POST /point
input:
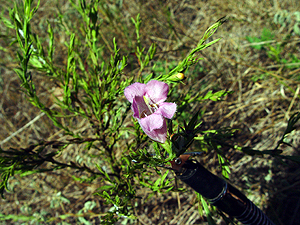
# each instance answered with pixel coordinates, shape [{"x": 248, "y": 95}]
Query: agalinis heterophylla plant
[{"x": 149, "y": 107}]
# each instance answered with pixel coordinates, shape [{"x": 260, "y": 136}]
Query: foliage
[
  {"x": 274, "y": 50},
  {"x": 276, "y": 152}
]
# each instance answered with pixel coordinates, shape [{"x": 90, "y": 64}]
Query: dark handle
[{"x": 221, "y": 194}]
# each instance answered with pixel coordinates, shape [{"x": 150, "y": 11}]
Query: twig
[
  {"x": 24, "y": 127},
  {"x": 293, "y": 101},
  {"x": 269, "y": 42}
]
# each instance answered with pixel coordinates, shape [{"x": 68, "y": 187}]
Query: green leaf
[{"x": 207, "y": 211}]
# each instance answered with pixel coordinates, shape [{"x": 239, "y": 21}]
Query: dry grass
[{"x": 260, "y": 108}]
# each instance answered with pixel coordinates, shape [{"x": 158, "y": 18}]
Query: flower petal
[
  {"x": 159, "y": 135},
  {"x": 149, "y": 107},
  {"x": 167, "y": 109},
  {"x": 140, "y": 108},
  {"x": 152, "y": 122},
  {"x": 157, "y": 91},
  {"x": 136, "y": 89},
  {"x": 135, "y": 109}
]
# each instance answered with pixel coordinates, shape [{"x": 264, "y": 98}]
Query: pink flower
[{"x": 150, "y": 108}]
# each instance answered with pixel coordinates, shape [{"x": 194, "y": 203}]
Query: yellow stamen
[{"x": 148, "y": 104}]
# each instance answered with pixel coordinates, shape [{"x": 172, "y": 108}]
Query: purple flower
[{"x": 150, "y": 108}]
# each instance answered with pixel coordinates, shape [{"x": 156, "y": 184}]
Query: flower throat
[{"x": 151, "y": 107}]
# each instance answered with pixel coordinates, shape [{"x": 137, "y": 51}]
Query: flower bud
[
  {"x": 176, "y": 77},
  {"x": 180, "y": 76}
]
